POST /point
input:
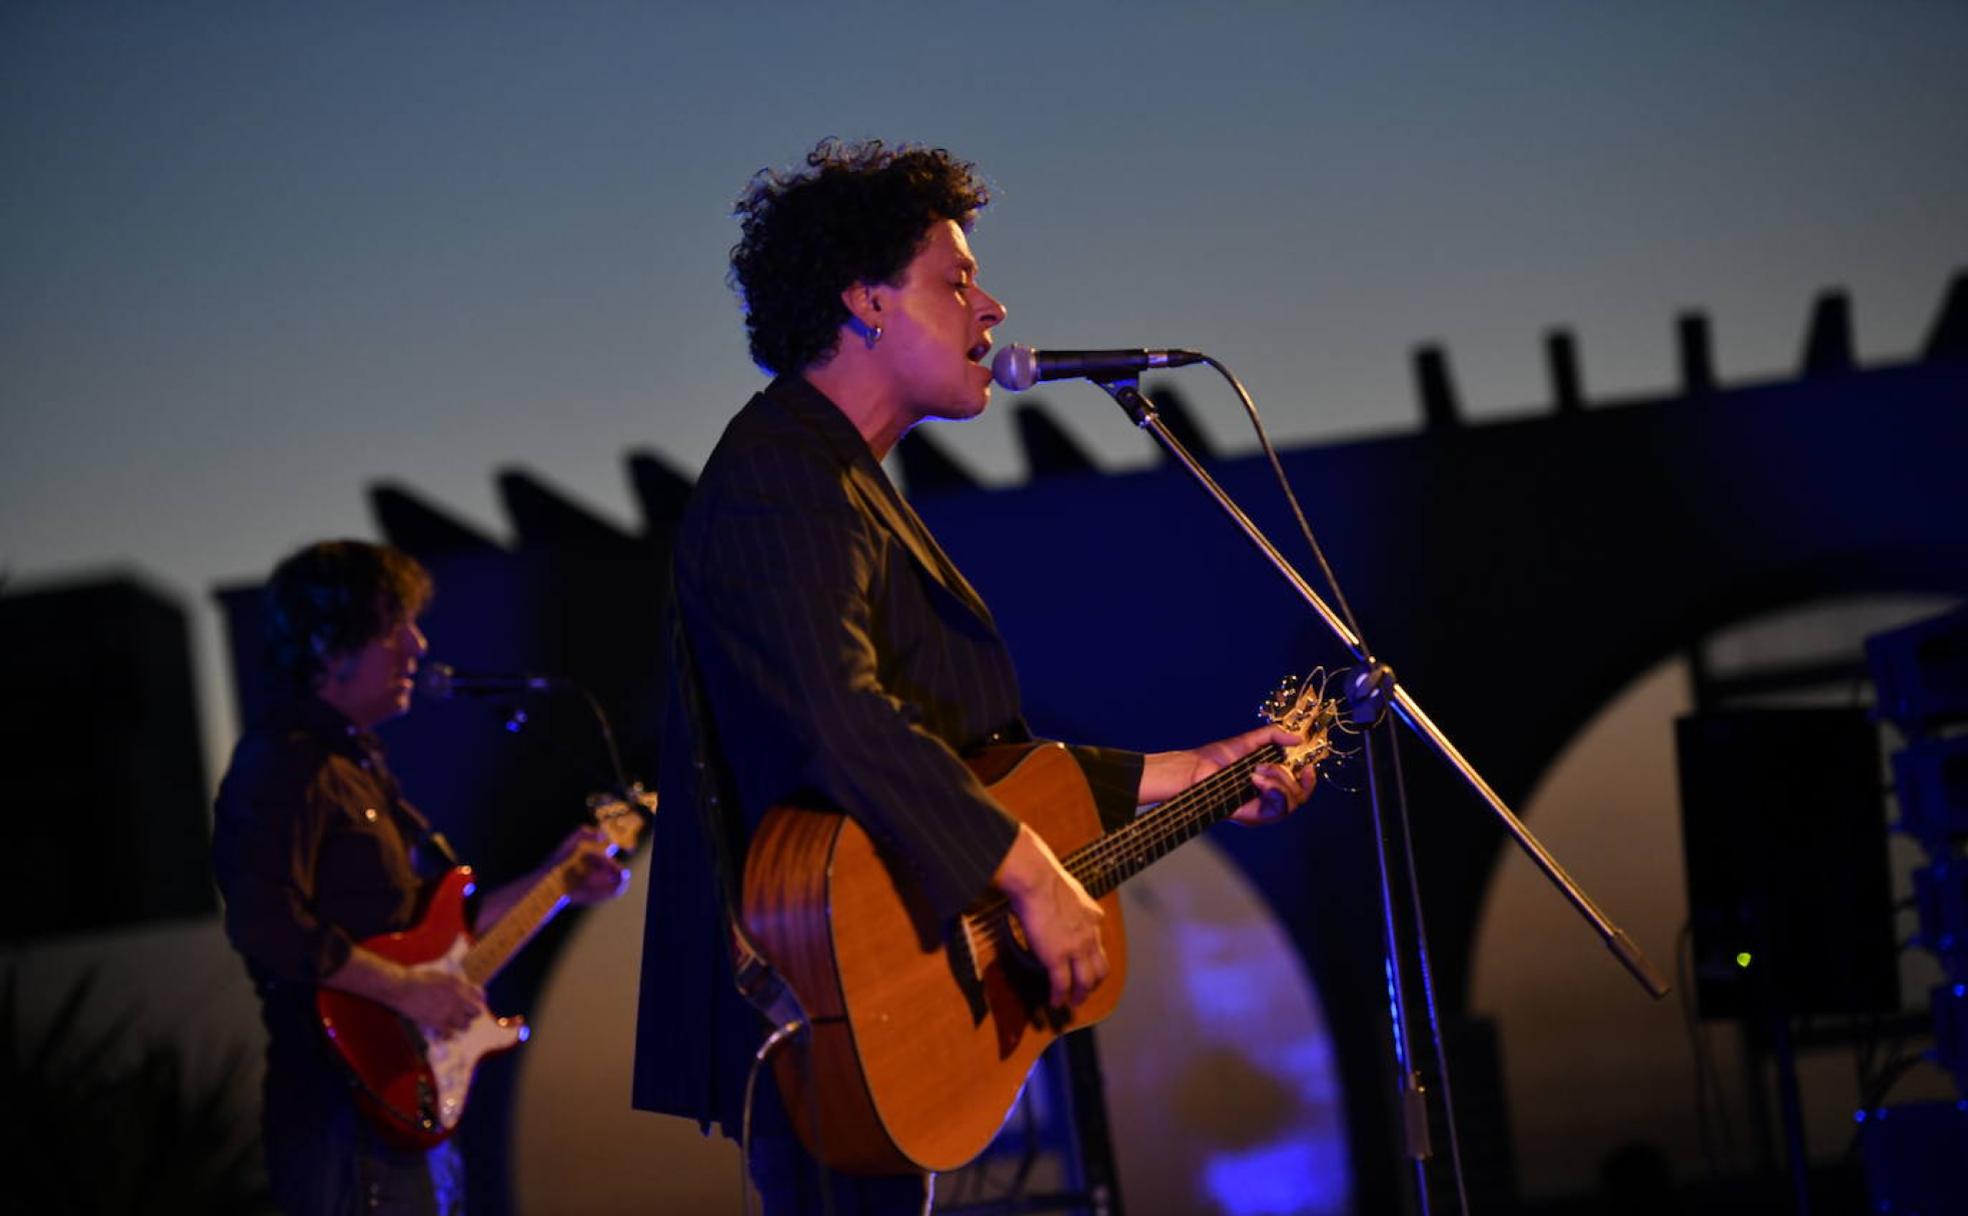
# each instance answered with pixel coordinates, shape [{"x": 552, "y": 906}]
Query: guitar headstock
[
  {"x": 1302, "y": 707},
  {"x": 622, "y": 818}
]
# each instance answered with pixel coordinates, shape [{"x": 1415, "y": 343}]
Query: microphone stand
[
  {"x": 1374, "y": 690},
  {"x": 515, "y": 689}
]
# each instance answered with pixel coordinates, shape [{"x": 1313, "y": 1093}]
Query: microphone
[
  {"x": 442, "y": 682},
  {"x": 1020, "y": 367}
]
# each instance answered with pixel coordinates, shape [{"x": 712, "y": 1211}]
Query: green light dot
[{"x": 1742, "y": 960}]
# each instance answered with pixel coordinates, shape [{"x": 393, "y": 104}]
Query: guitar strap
[{"x": 763, "y": 987}]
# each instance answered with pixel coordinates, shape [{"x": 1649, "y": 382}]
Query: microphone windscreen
[
  {"x": 434, "y": 680},
  {"x": 1016, "y": 368}
]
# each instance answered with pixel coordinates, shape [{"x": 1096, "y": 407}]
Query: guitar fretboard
[
  {"x": 495, "y": 948},
  {"x": 1119, "y": 855},
  {"x": 1106, "y": 863}
]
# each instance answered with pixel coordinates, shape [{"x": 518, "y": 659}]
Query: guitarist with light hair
[
  {"x": 840, "y": 659},
  {"x": 316, "y": 850}
]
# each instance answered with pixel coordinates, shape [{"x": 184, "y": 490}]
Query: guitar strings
[
  {"x": 484, "y": 957},
  {"x": 1104, "y": 863},
  {"x": 1117, "y": 856},
  {"x": 1110, "y": 860}
]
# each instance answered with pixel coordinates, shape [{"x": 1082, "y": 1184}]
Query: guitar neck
[
  {"x": 1119, "y": 855},
  {"x": 496, "y": 946}
]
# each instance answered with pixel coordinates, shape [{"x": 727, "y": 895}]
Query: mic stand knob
[{"x": 1370, "y": 692}]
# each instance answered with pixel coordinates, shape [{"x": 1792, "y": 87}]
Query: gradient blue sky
[{"x": 254, "y": 256}]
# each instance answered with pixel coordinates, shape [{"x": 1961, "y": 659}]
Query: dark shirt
[
  {"x": 316, "y": 849},
  {"x": 314, "y": 846},
  {"x": 847, "y": 664}
]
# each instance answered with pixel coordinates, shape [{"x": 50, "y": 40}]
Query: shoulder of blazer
[{"x": 793, "y": 430}]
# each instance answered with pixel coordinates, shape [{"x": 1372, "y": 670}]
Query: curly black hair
[
  {"x": 335, "y": 597},
  {"x": 856, "y": 214}
]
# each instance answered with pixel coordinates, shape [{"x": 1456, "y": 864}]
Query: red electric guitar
[{"x": 412, "y": 1084}]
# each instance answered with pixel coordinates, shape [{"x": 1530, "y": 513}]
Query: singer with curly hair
[{"x": 836, "y": 655}]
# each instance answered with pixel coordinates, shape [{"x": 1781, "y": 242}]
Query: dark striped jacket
[{"x": 847, "y": 663}]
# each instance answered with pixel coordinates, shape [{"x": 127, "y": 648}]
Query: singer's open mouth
[{"x": 976, "y": 353}]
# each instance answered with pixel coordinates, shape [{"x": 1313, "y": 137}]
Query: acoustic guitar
[
  {"x": 410, "y": 1083},
  {"x": 920, "y": 1034}
]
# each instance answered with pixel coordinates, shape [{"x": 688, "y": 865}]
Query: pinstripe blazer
[{"x": 846, "y": 663}]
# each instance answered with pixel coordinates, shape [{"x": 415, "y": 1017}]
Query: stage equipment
[
  {"x": 104, "y": 771},
  {"x": 1949, "y": 1004},
  {"x": 1930, "y": 779},
  {"x": 1375, "y": 693},
  {"x": 1913, "y": 1154},
  {"x": 1913, "y": 1151},
  {"x": 1921, "y": 673},
  {"x": 1940, "y": 892},
  {"x": 1783, "y": 827}
]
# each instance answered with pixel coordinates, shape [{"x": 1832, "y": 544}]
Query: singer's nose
[{"x": 991, "y": 310}]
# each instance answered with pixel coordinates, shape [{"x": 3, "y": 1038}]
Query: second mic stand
[{"x": 1375, "y": 690}]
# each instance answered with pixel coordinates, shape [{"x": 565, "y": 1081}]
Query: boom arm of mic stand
[{"x": 1127, "y": 392}]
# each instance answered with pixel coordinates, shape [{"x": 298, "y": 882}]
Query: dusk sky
[{"x": 254, "y": 257}]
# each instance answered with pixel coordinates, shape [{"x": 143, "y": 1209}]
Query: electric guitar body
[{"x": 409, "y": 1082}]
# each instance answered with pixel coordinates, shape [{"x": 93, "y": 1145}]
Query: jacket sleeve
[
  {"x": 777, "y": 591},
  {"x": 1114, "y": 775}
]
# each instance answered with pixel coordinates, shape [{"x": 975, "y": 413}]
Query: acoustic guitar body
[{"x": 921, "y": 1035}]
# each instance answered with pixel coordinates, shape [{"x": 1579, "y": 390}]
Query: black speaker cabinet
[
  {"x": 102, "y": 770},
  {"x": 1783, "y": 825}
]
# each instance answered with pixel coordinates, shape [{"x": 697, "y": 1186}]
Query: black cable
[
  {"x": 821, "y": 1174},
  {"x": 516, "y": 720},
  {"x": 1683, "y": 971},
  {"x": 772, "y": 1043},
  {"x": 1890, "y": 1076},
  {"x": 1022, "y": 1177},
  {"x": 1708, "y": 1078},
  {"x": 1865, "y": 1047},
  {"x": 1298, "y": 512},
  {"x": 607, "y": 737},
  {"x": 1883, "y": 1079}
]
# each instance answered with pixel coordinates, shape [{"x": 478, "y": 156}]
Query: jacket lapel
[
  {"x": 871, "y": 485},
  {"x": 901, "y": 519}
]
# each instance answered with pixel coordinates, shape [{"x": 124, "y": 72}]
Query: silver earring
[{"x": 871, "y": 335}]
